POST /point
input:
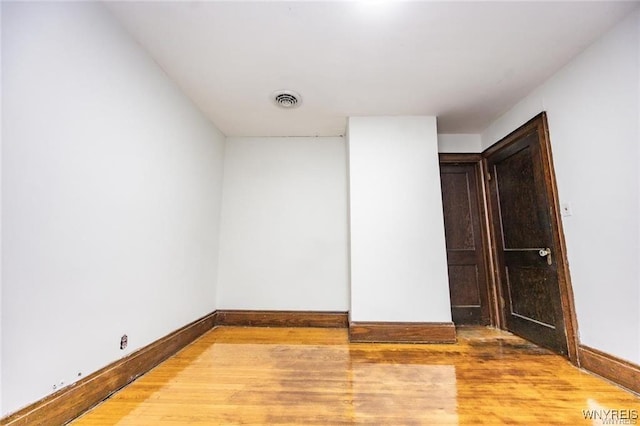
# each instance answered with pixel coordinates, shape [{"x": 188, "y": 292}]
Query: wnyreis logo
[{"x": 612, "y": 417}]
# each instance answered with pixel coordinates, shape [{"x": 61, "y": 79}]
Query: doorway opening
[
  {"x": 467, "y": 239},
  {"x": 528, "y": 286}
]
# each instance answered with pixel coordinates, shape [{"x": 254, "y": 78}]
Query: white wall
[
  {"x": 283, "y": 244},
  {"x": 638, "y": 123},
  {"x": 111, "y": 182},
  {"x": 1, "y": 411},
  {"x": 398, "y": 257},
  {"x": 459, "y": 143},
  {"x": 593, "y": 107}
]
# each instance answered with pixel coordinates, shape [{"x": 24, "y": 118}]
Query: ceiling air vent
[{"x": 286, "y": 99}]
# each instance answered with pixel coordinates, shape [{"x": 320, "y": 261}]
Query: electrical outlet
[{"x": 123, "y": 341}]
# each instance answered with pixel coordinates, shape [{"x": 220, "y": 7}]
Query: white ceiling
[{"x": 464, "y": 62}]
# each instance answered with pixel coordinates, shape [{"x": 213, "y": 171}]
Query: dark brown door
[
  {"x": 525, "y": 248},
  {"x": 464, "y": 238}
]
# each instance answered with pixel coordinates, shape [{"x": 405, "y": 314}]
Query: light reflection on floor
[{"x": 314, "y": 376}]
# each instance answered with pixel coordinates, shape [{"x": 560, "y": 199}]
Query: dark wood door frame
[
  {"x": 489, "y": 236},
  {"x": 564, "y": 279},
  {"x": 476, "y": 160}
]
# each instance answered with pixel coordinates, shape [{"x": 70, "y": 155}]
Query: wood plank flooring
[{"x": 313, "y": 376}]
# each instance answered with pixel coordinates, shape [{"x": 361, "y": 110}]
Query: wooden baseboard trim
[
  {"x": 70, "y": 402},
  {"x": 616, "y": 370},
  {"x": 282, "y": 318},
  {"x": 402, "y": 332}
]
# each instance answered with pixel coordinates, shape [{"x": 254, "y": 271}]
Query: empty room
[{"x": 320, "y": 212}]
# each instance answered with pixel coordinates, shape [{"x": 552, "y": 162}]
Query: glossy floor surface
[{"x": 298, "y": 376}]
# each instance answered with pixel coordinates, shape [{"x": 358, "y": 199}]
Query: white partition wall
[{"x": 398, "y": 256}]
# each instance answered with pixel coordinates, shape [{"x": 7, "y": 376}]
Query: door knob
[{"x": 546, "y": 252}]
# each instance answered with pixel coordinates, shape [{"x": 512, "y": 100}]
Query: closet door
[{"x": 461, "y": 199}]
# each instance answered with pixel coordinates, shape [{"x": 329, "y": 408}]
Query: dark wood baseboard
[
  {"x": 68, "y": 403},
  {"x": 616, "y": 370},
  {"x": 402, "y": 332},
  {"x": 282, "y": 318}
]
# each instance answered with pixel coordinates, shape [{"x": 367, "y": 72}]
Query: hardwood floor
[{"x": 299, "y": 376}]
